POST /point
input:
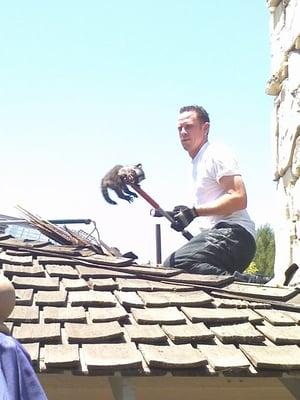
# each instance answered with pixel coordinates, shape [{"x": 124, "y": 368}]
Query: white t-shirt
[{"x": 212, "y": 162}]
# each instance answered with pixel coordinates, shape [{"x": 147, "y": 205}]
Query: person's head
[{"x": 193, "y": 127}]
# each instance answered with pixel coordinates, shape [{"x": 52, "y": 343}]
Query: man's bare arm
[{"x": 234, "y": 198}]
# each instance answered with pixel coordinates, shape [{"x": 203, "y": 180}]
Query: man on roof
[{"x": 226, "y": 242}]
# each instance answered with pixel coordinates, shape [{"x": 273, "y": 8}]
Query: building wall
[{"x": 284, "y": 85}]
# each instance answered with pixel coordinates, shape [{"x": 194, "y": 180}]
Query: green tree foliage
[{"x": 265, "y": 251}]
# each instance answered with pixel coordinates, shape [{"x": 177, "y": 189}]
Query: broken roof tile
[
  {"x": 24, "y": 297},
  {"x": 16, "y": 260},
  {"x": 238, "y": 333},
  {"x": 181, "y": 356},
  {"x": 35, "y": 283},
  {"x": 60, "y": 314},
  {"x": 116, "y": 356},
  {"x": 33, "y": 350},
  {"x": 213, "y": 315},
  {"x": 261, "y": 291},
  {"x": 92, "y": 298},
  {"x": 294, "y": 315},
  {"x": 273, "y": 357},
  {"x": 107, "y": 314},
  {"x": 276, "y": 317},
  {"x": 24, "y": 314},
  {"x": 164, "y": 299},
  {"x": 146, "y": 333},
  {"x": 149, "y": 286},
  {"x": 74, "y": 284},
  {"x": 230, "y": 303},
  {"x": 253, "y": 317},
  {"x": 224, "y": 357},
  {"x": 167, "y": 315},
  {"x": 64, "y": 271},
  {"x": 62, "y": 355},
  {"x": 45, "y": 260},
  {"x": 97, "y": 272},
  {"x": 107, "y": 260},
  {"x": 210, "y": 280},
  {"x": 51, "y": 298},
  {"x": 20, "y": 270},
  {"x": 43, "y": 333},
  {"x": 93, "y": 333},
  {"x": 188, "y": 333},
  {"x": 129, "y": 299},
  {"x": 103, "y": 284},
  {"x": 153, "y": 271},
  {"x": 281, "y": 334}
]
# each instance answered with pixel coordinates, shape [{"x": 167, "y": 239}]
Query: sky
[{"x": 87, "y": 85}]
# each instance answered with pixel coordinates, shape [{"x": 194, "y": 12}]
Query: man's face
[{"x": 192, "y": 132}]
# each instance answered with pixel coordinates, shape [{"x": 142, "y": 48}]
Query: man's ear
[{"x": 206, "y": 127}]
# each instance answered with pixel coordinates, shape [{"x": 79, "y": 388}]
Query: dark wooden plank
[
  {"x": 45, "y": 260},
  {"x": 33, "y": 349},
  {"x": 107, "y": 314},
  {"x": 93, "y": 333},
  {"x": 144, "y": 285},
  {"x": 24, "y": 297},
  {"x": 213, "y": 315},
  {"x": 103, "y": 284},
  {"x": 225, "y": 357},
  {"x": 181, "y": 356},
  {"x": 61, "y": 314},
  {"x": 63, "y": 271},
  {"x": 92, "y": 298},
  {"x": 115, "y": 356},
  {"x": 47, "y": 298},
  {"x": 20, "y": 270},
  {"x": 273, "y": 357},
  {"x": 150, "y": 334},
  {"x": 188, "y": 333},
  {"x": 281, "y": 334},
  {"x": 262, "y": 291},
  {"x": 129, "y": 299},
  {"x": 24, "y": 314},
  {"x": 153, "y": 271},
  {"x": 62, "y": 355},
  {"x": 238, "y": 333},
  {"x": 42, "y": 333},
  {"x": 35, "y": 283},
  {"x": 15, "y": 252},
  {"x": 71, "y": 285},
  {"x": 164, "y": 299},
  {"x": 97, "y": 272},
  {"x": 210, "y": 280},
  {"x": 167, "y": 315},
  {"x": 276, "y": 317},
  {"x": 107, "y": 260}
]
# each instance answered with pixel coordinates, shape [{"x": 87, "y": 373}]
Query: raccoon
[{"x": 113, "y": 181}]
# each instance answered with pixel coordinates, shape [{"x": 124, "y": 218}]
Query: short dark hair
[{"x": 202, "y": 114}]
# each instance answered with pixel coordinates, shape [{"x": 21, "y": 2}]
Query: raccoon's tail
[{"x": 104, "y": 191}]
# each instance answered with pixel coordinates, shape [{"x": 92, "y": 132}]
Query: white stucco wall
[{"x": 284, "y": 85}]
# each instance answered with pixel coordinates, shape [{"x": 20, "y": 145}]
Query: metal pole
[{"x": 158, "y": 243}]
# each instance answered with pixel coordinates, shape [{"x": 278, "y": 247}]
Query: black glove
[
  {"x": 183, "y": 217},
  {"x": 156, "y": 213}
]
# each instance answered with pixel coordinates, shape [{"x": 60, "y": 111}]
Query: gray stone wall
[{"x": 284, "y": 85}]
